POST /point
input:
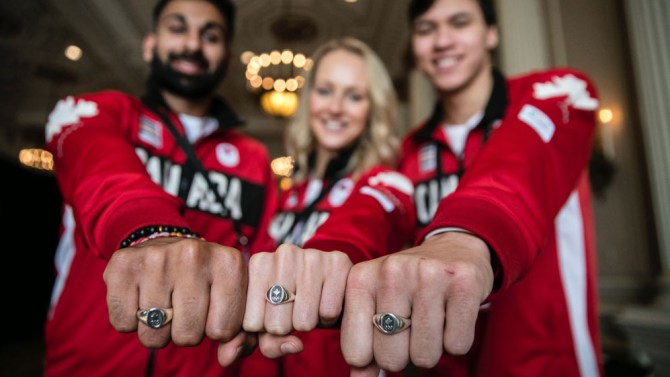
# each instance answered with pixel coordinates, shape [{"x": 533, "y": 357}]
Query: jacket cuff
[{"x": 134, "y": 215}]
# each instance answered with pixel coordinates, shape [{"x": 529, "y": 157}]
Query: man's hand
[
  {"x": 439, "y": 284},
  {"x": 203, "y": 283}
]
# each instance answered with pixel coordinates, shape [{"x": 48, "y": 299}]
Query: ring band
[
  {"x": 155, "y": 317},
  {"x": 389, "y": 323},
  {"x": 278, "y": 295}
]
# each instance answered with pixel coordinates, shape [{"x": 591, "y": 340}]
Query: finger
[
  {"x": 261, "y": 269},
  {"x": 359, "y": 307},
  {"x": 274, "y": 346},
  {"x": 428, "y": 314},
  {"x": 155, "y": 292},
  {"x": 461, "y": 311},
  {"x": 122, "y": 292},
  {"x": 190, "y": 298},
  {"x": 242, "y": 345},
  {"x": 232, "y": 350},
  {"x": 391, "y": 351},
  {"x": 228, "y": 293},
  {"x": 332, "y": 296},
  {"x": 371, "y": 370},
  {"x": 279, "y": 318},
  {"x": 309, "y": 282}
]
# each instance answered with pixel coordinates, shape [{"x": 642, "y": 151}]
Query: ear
[
  {"x": 148, "y": 46},
  {"x": 492, "y": 37}
]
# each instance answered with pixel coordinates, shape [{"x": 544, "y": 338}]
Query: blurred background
[{"x": 54, "y": 48}]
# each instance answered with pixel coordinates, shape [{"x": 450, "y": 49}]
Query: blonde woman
[{"x": 347, "y": 205}]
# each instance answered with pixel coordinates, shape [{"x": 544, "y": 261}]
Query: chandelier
[{"x": 277, "y": 77}]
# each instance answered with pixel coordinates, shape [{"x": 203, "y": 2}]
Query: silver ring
[
  {"x": 155, "y": 317},
  {"x": 389, "y": 323},
  {"x": 278, "y": 295}
]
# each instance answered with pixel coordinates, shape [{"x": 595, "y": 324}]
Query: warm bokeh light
[
  {"x": 246, "y": 56},
  {"x": 36, "y": 158},
  {"x": 280, "y": 104},
  {"x": 273, "y": 73},
  {"x": 73, "y": 52},
  {"x": 285, "y": 183},
  {"x": 282, "y": 166},
  {"x": 605, "y": 115}
]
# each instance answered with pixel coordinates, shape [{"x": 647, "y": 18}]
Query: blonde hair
[{"x": 380, "y": 141}]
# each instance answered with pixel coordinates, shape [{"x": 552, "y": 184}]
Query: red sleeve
[
  {"x": 377, "y": 219},
  {"x": 99, "y": 174},
  {"x": 511, "y": 194}
]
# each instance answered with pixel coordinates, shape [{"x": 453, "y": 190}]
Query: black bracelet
[{"x": 148, "y": 231}]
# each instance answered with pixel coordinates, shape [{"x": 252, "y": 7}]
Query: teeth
[
  {"x": 187, "y": 67},
  {"x": 446, "y": 62},
  {"x": 333, "y": 125}
]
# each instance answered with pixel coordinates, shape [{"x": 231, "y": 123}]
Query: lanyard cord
[
  {"x": 305, "y": 212},
  {"x": 197, "y": 164}
]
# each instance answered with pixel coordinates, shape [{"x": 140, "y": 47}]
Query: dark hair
[
  {"x": 226, "y": 7},
  {"x": 419, "y": 7}
]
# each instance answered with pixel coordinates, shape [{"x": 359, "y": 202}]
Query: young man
[
  {"x": 142, "y": 215},
  {"x": 503, "y": 204}
]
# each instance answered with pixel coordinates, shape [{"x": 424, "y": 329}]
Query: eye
[
  {"x": 322, "y": 91},
  {"x": 423, "y": 28},
  {"x": 212, "y": 37},
  {"x": 356, "y": 97},
  {"x": 176, "y": 28},
  {"x": 461, "y": 21}
]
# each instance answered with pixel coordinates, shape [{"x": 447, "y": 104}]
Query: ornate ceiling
[{"x": 34, "y": 72}]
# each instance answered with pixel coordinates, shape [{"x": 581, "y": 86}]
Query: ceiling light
[
  {"x": 73, "y": 53},
  {"x": 277, "y": 76}
]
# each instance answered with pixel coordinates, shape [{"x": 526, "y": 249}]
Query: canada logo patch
[
  {"x": 340, "y": 192},
  {"x": 227, "y": 155}
]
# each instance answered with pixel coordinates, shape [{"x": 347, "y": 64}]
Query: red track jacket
[
  {"x": 521, "y": 185},
  {"x": 120, "y": 169}
]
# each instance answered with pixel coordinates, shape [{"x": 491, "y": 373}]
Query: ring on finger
[
  {"x": 155, "y": 317},
  {"x": 278, "y": 295},
  {"x": 389, "y": 323}
]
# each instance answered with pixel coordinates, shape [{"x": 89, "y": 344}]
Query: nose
[
  {"x": 193, "y": 41},
  {"x": 444, "y": 37},
  {"x": 335, "y": 105}
]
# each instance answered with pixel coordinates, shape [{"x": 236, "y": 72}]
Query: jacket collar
[
  {"x": 495, "y": 109},
  {"x": 220, "y": 109}
]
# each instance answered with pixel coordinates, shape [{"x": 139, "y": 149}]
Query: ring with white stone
[
  {"x": 389, "y": 323},
  {"x": 278, "y": 295}
]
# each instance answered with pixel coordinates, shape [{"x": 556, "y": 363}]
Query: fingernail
[{"x": 289, "y": 348}]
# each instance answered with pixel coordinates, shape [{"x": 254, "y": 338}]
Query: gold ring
[{"x": 155, "y": 317}]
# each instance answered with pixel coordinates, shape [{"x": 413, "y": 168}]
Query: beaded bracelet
[{"x": 155, "y": 231}]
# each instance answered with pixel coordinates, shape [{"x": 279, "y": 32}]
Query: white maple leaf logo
[
  {"x": 569, "y": 85},
  {"x": 68, "y": 112}
]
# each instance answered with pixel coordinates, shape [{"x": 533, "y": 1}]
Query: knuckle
[
  {"x": 356, "y": 359},
  {"x": 390, "y": 364},
  {"x": 222, "y": 333},
  {"x": 424, "y": 360}
]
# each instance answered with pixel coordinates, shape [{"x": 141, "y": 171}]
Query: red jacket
[
  {"x": 521, "y": 185},
  {"x": 120, "y": 169}
]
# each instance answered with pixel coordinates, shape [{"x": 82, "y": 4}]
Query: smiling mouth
[
  {"x": 446, "y": 62},
  {"x": 187, "y": 66},
  {"x": 331, "y": 125}
]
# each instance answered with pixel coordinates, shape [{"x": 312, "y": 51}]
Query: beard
[{"x": 188, "y": 86}]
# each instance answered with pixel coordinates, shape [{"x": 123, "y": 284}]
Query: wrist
[{"x": 156, "y": 231}]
